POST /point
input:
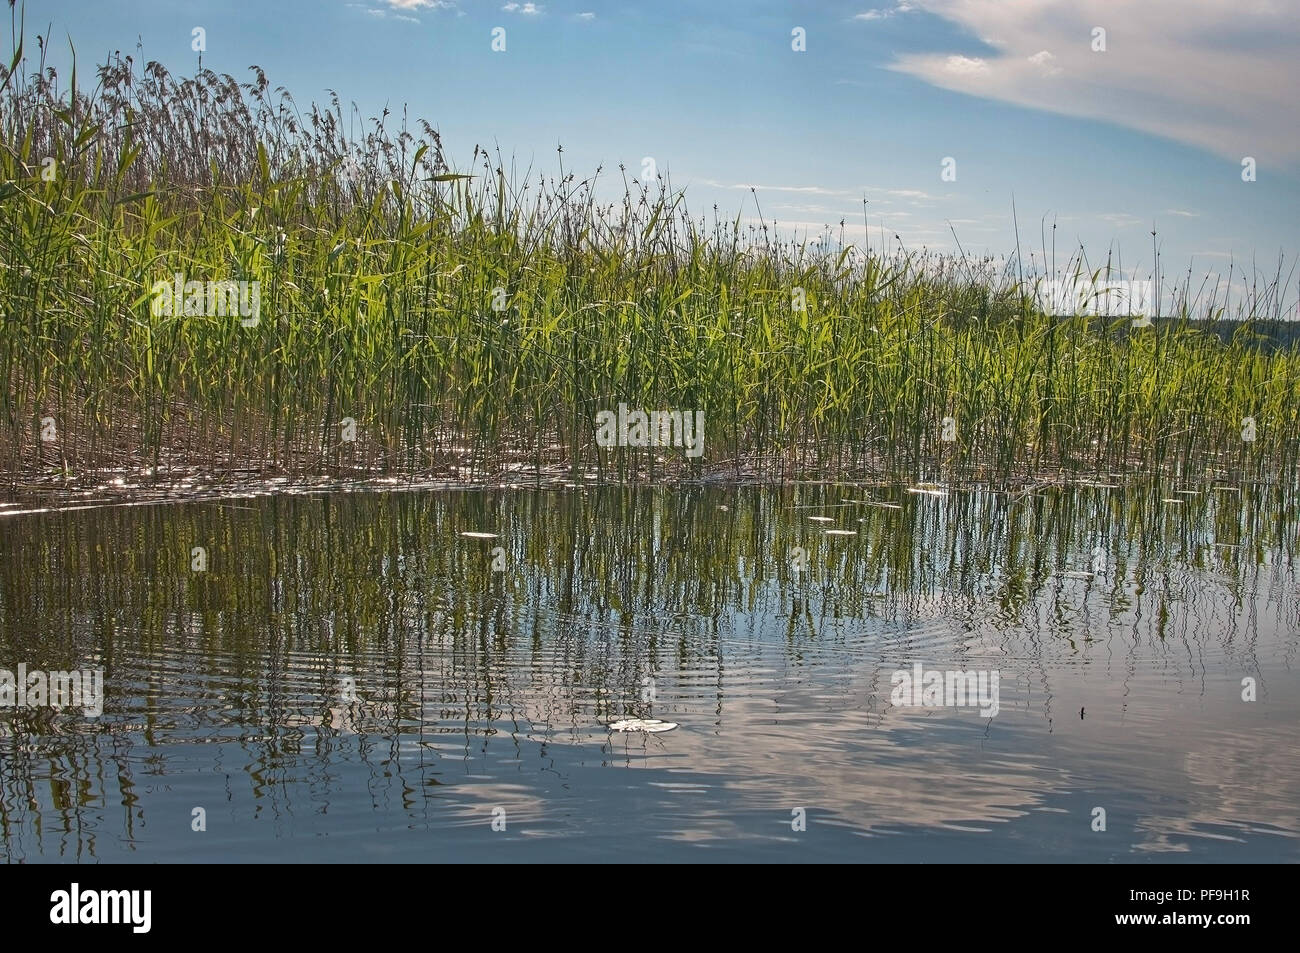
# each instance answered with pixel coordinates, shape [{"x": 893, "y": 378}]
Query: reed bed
[{"x": 379, "y": 262}]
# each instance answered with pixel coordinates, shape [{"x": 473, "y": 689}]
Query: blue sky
[{"x": 1150, "y": 132}]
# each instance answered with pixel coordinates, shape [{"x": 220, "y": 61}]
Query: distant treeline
[{"x": 1268, "y": 334}]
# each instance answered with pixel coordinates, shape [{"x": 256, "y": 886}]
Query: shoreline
[{"x": 181, "y": 484}]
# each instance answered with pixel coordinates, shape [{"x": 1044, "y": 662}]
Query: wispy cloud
[
  {"x": 386, "y": 13},
  {"x": 1217, "y": 76},
  {"x": 1046, "y": 61},
  {"x": 965, "y": 65},
  {"x": 903, "y": 7},
  {"x": 421, "y": 4},
  {"x": 388, "y": 8},
  {"x": 805, "y": 189},
  {"x": 912, "y": 197},
  {"x": 1120, "y": 219},
  {"x": 523, "y": 9}
]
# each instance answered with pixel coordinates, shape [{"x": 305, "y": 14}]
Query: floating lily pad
[{"x": 643, "y": 724}]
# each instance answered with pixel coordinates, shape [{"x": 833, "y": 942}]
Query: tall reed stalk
[{"x": 379, "y": 266}]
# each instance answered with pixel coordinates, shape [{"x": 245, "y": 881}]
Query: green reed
[{"x": 379, "y": 263}]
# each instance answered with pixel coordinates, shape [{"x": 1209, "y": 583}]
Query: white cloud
[
  {"x": 902, "y": 7},
  {"x": 815, "y": 209},
  {"x": 965, "y": 65},
  {"x": 1045, "y": 60},
  {"x": 524, "y": 9},
  {"x": 808, "y": 189},
  {"x": 386, "y": 13},
  {"x": 420, "y": 4},
  {"x": 586, "y": 16},
  {"x": 1213, "y": 75},
  {"x": 914, "y": 197},
  {"x": 1120, "y": 219}
]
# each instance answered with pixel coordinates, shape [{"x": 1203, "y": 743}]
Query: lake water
[{"x": 345, "y": 676}]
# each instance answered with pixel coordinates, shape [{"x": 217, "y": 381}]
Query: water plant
[{"x": 475, "y": 320}]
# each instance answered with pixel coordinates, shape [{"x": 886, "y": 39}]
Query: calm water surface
[{"x": 484, "y": 693}]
